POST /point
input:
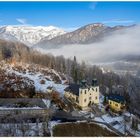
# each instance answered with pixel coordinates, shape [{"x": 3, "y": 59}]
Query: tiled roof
[
  {"x": 116, "y": 98},
  {"x": 74, "y": 88}
]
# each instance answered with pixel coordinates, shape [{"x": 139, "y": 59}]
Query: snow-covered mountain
[
  {"x": 87, "y": 34},
  {"x": 29, "y": 35}
]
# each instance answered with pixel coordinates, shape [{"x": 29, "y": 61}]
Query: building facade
[
  {"x": 83, "y": 94},
  {"x": 116, "y": 102}
]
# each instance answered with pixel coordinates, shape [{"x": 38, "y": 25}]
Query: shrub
[{"x": 42, "y": 82}]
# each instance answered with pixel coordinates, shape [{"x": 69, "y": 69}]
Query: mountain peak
[
  {"x": 96, "y": 24},
  {"x": 28, "y": 34},
  {"x": 93, "y": 26}
]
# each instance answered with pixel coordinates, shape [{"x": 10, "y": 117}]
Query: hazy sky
[{"x": 69, "y": 15}]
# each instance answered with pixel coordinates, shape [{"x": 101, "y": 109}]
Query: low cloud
[
  {"x": 121, "y": 44},
  {"x": 21, "y": 20}
]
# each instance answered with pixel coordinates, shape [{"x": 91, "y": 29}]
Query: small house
[{"x": 116, "y": 102}]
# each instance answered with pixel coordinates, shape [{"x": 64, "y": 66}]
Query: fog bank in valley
[{"x": 122, "y": 43}]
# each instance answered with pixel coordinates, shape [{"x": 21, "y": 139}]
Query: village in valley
[{"x": 51, "y": 102}]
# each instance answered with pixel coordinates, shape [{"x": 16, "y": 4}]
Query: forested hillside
[{"x": 109, "y": 81}]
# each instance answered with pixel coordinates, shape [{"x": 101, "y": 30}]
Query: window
[
  {"x": 96, "y": 89},
  {"x": 110, "y": 102},
  {"x": 81, "y": 91},
  {"x": 89, "y": 98},
  {"x": 96, "y": 97},
  {"x": 93, "y": 89},
  {"x": 116, "y": 105},
  {"x": 85, "y": 100},
  {"x": 85, "y": 91}
]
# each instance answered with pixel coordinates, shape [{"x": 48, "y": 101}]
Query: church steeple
[{"x": 94, "y": 82}]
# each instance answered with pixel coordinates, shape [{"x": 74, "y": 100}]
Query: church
[{"x": 83, "y": 94}]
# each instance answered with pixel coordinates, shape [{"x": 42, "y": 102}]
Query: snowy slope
[
  {"x": 36, "y": 74},
  {"x": 29, "y": 35}
]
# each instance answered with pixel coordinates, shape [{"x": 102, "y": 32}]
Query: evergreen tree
[
  {"x": 136, "y": 124},
  {"x": 133, "y": 124},
  {"x": 105, "y": 100},
  {"x": 74, "y": 70},
  {"x": 6, "y": 53},
  {"x": 82, "y": 71}
]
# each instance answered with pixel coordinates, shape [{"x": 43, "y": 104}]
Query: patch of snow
[
  {"x": 47, "y": 102},
  {"x": 12, "y": 108},
  {"x": 14, "y": 129},
  {"x": 99, "y": 119},
  {"x": 36, "y": 77},
  {"x": 107, "y": 118},
  {"x": 51, "y": 125},
  {"x": 83, "y": 112}
]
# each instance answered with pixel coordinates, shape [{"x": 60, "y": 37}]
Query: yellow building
[
  {"x": 82, "y": 94},
  {"x": 116, "y": 102}
]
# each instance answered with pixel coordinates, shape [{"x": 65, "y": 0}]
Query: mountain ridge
[
  {"x": 85, "y": 35},
  {"x": 29, "y": 35},
  {"x": 47, "y": 37}
]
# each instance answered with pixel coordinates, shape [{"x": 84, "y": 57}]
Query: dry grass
[{"x": 81, "y": 130}]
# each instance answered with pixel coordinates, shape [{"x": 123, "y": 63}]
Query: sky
[{"x": 69, "y": 15}]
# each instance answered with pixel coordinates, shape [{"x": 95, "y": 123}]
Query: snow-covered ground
[
  {"x": 51, "y": 125},
  {"x": 26, "y": 129},
  {"x": 36, "y": 75},
  {"x": 13, "y": 108},
  {"x": 42, "y": 87},
  {"x": 47, "y": 102},
  {"x": 101, "y": 100},
  {"x": 118, "y": 123},
  {"x": 107, "y": 118}
]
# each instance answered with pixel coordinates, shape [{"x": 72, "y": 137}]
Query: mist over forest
[{"x": 112, "y": 48}]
